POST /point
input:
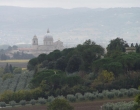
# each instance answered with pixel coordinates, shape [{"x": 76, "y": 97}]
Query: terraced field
[{"x": 18, "y": 82}]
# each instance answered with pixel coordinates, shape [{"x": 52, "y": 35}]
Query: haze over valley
[{"x": 72, "y": 26}]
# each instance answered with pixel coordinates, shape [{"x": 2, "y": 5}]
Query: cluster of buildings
[{"x": 48, "y": 45}]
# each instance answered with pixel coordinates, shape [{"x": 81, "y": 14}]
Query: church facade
[{"x": 48, "y": 45}]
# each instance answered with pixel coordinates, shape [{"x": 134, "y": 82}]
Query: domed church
[{"x": 48, "y": 45}]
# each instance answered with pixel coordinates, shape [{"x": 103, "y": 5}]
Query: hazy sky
[{"x": 72, "y": 3}]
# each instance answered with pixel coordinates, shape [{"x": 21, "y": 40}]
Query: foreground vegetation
[{"x": 78, "y": 73}]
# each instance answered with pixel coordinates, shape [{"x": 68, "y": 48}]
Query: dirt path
[
  {"x": 88, "y": 105},
  {"x": 96, "y": 105}
]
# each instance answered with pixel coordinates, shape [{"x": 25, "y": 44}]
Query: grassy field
[
  {"x": 88, "y": 105},
  {"x": 16, "y": 63}
]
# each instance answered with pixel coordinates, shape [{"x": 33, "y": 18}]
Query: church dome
[{"x": 48, "y": 36}]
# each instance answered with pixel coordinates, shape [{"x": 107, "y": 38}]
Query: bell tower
[{"x": 35, "y": 40}]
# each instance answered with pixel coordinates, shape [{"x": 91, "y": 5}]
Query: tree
[
  {"x": 89, "y": 42},
  {"x": 54, "y": 55},
  {"x": 15, "y": 47},
  {"x": 60, "y": 104},
  {"x": 11, "y": 68},
  {"x": 137, "y": 99},
  {"x": 115, "y": 67},
  {"x": 89, "y": 52},
  {"x": 3, "y": 57},
  {"x": 106, "y": 76},
  {"x": 42, "y": 57},
  {"x": 132, "y": 45},
  {"x": 73, "y": 64},
  {"x": 17, "y": 70},
  {"x": 32, "y": 63},
  {"x": 1, "y": 71},
  {"x": 61, "y": 63},
  {"x": 6, "y": 69},
  {"x": 117, "y": 44}
]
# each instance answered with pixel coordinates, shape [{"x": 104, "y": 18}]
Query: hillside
[
  {"x": 16, "y": 83},
  {"x": 72, "y": 26}
]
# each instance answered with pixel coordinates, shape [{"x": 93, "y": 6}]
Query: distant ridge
[{"x": 72, "y": 26}]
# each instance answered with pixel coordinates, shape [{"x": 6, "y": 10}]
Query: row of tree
[
  {"x": 113, "y": 70},
  {"x": 70, "y": 59}
]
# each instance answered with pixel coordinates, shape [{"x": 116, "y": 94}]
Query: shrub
[
  {"x": 77, "y": 95},
  {"x": 96, "y": 93},
  {"x": 60, "y": 104},
  {"x": 129, "y": 93},
  {"x": 17, "y": 70},
  {"x": 105, "y": 92},
  {"x": 116, "y": 92},
  {"x": 119, "y": 106},
  {"x": 42, "y": 101},
  {"x": 61, "y": 97},
  {"x": 7, "y": 75},
  {"x": 89, "y": 96},
  {"x": 33, "y": 102},
  {"x": 120, "y": 94},
  {"x": 12, "y": 103},
  {"x": 2, "y": 104},
  {"x": 100, "y": 96},
  {"x": 23, "y": 102},
  {"x": 71, "y": 98},
  {"x": 110, "y": 95},
  {"x": 86, "y": 95},
  {"x": 81, "y": 97},
  {"x": 124, "y": 91},
  {"x": 50, "y": 98}
]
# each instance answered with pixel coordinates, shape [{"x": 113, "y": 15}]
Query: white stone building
[{"x": 48, "y": 45}]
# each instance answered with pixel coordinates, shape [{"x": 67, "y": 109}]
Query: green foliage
[
  {"x": 7, "y": 96},
  {"x": 54, "y": 55},
  {"x": 74, "y": 64},
  {"x": 73, "y": 80},
  {"x": 115, "y": 67},
  {"x": 106, "y": 76},
  {"x": 42, "y": 101},
  {"x": 89, "y": 96},
  {"x": 51, "y": 77},
  {"x": 110, "y": 95},
  {"x": 71, "y": 98},
  {"x": 17, "y": 70},
  {"x": 120, "y": 94},
  {"x": 61, "y": 63},
  {"x": 72, "y": 59},
  {"x": 100, "y": 95},
  {"x": 12, "y": 103},
  {"x": 60, "y": 104},
  {"x": 32, "y": 63},
  {"x": 51, "y": 65},
  {"x": 1, "y": 71},
  {"x": 23, "y": 102},
  {"x": 2, "y": 104},
  {"x": 33, "y": 102},
  {"x": 7, "y": 75},
  {"x": 117, "y": 44},
  {"x": 42, "y": 57},
  {"x": 50, "y": 98},
  {"x": 119, "y": 106},
  {"x": 81, "y": 98}
]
